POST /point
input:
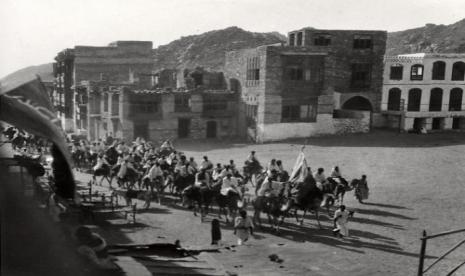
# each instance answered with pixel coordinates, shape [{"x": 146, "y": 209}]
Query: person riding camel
[
  {"x": 300, "y": 190},
  {"x": 266, "y": 188},
  {"x": 193, "y": 164},
  {"x": 101, "y": 160},
  {"x": 272, "y": 166},
  {"x": 202, "y": 179},
  {"x": 336, "y": 173},
  {"x": 166, "y": 144},
  {"x": 181, "y": 167},
  {"x": 155, "y": 173},
  {"x": 207, "y": 165},
  {"x": 279, "y": 164},
  {"x": 227, "y": 170},
  {"x": 320, "y": 178},
  {"x": 230, "y": 184},
  {"x": 216, "y": 175}
]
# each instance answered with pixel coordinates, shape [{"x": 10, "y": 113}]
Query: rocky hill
[
  {"x": 208, "y": 49},
  {"x": 429, "y": 39}
]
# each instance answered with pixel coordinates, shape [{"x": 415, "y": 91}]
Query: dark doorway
[
  {"x": 436, "y": 123},
  {"x": 184, "y": 126},
  {"x": 394, "y": 99},
  {"x": 211, "y": 129},
  {"x": 414, "y": 99},
  {"x": 455, "y": 123},
  {"x": 141, "y": 129},
  {"x": 418, "y": 123}
]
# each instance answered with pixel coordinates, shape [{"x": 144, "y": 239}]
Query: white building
[{"x": 424, "y": 90}]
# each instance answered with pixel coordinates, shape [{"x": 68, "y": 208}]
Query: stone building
[
  {"x": 122, "y": 62},
  {"x": 127, "y": 112},
  {"x": 320, "y": 82},
  {"x": 424, "y": 90}
]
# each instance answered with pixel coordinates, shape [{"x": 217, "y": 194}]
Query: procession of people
[{"x": 156, "y": 168}]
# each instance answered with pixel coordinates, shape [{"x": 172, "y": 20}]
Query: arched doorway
[
  {"x": 394, "y": 99},
  {"x": 358, "y": 103}
]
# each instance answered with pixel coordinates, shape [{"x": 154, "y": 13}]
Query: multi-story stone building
[
  {"x": 124, "y": 111},
  {"x": 296, "y": 89},
  {"x": 424, "y": 90},
  {"x": 122, "y": 62}
]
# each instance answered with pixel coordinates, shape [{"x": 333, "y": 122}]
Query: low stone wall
[
  {"x": 325, "y": 125},
  {"x": 344, "y": 126}
]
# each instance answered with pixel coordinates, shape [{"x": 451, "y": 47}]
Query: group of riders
[{"x": 156, "y": 168}]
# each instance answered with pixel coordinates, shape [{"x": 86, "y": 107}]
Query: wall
[{"x": 325, "y": 125}]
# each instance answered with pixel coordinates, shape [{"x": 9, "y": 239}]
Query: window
[
  {"x": 416, "y": 72},
  {"x": 414, "y": 99},
  {"x": 105, "y": 102},
  {"x": 361, "y": 75},
  {"x": 299, "y": 38},
  {"x": 396, "y": 72},
  {"x": 181, "y": 103},
  {"x": 213, "y": 104},
  {"x": 295, "y": 73},
  {"x": 290, "y": 113},
  {"x": 455, "y": 99},
  {"x": 291, "y": 39},
  {"x": 308, "y": 75},
  {"x": 308, "y": 112},
  {"x": 362, "y": 42},
  {"x": 322, "y": 40},
  {"x": 115, "y": 104},
  {"x": 458, "y": 71},
  {"x": 253, "y": 71},
  {"x": 299, "y": 113},
  {"x": 435, "y": 100},
  {"x": 439, "y": 70},
  {"x": 144, "y": 107},
  {"x": 394, "y": 99}
]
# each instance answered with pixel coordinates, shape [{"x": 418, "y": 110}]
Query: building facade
[
  {"x": 424, "y": 90},
  {"x": 312, "y": 85},
  {"x": 121, "y": 62},
  {"x": 127, "y": 112}
]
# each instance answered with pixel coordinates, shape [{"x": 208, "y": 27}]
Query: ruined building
[
  {"x": 320, "y": 82},
  {"x": 424, "y": 90},
  {"x": 121, "y": 62}
]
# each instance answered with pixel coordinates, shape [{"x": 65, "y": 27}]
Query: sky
[{"x": 33, "y": 31}]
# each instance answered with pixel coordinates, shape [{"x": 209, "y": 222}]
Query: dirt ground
[{"x": 417, "y": 183}]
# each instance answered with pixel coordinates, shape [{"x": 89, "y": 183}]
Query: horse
[
  {"x": 250, "y": 172},
  {"x": 202, "y": 197},
  {"x": 157, "y": 184},
  {"x": 336, "y": 188},
  {"x": 311, "y": 201},
  {"x": 229, "y": 204},
  {"x": 130, "y": 178},
  {"x": 181, "y": 182},
  {"x": 271, "y": 206},
  {"x": 104, "y": 172}
]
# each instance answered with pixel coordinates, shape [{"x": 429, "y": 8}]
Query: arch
[
  {"x": 439, "y": 70},
  {"x": 394, "y": 99},
  {"x": 414, "y": 99},
  {"x": 455, "y": 99},
  {"x": 358, "y": 103},
  {"x": 416, "y": 72},
  {"x": 458, "y": 71},
  {"x": 235, "y": 85},
  {"x": 435, "y": 99}
]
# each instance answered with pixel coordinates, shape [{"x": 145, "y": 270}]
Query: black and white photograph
[{"x": 232, "y": 137}]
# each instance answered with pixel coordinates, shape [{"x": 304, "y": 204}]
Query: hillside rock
[
  {"x": 429, "y": 39},
  {"x": 208, "y": 49}
]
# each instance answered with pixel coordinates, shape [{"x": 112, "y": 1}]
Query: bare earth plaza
[{"x": 337, "y": 149}]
